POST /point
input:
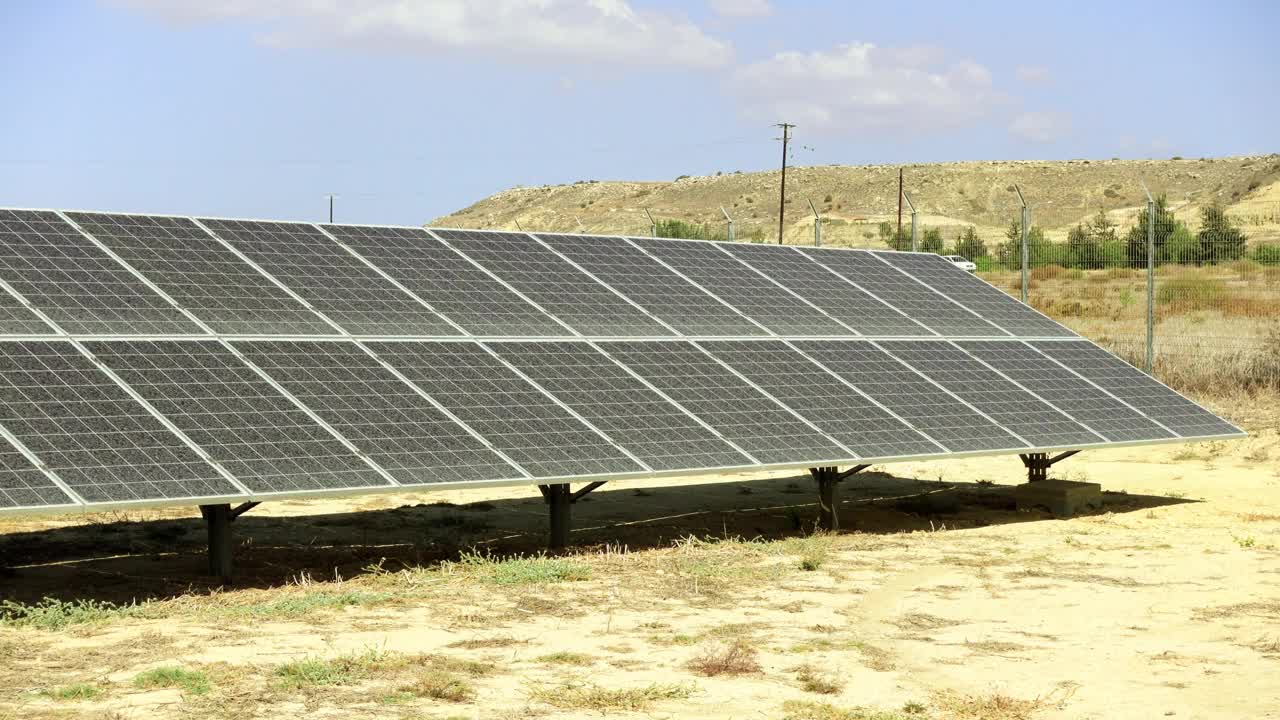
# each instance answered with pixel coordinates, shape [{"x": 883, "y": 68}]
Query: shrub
[
  {"x": 1191, "y": 292},
  {"x": 737, "y": 658},
  {"x": 1267, "y": 254}
]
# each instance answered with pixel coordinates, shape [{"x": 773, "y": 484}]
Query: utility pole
[
  {"x": 895, "y": 237},
  {"x": 331, "y": 208},
  {"x": 782, "y": 192}
]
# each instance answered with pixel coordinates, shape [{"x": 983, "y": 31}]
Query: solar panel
[
  {"x": 642, "y": 421},
  {"x": 936, "y": 413},
  {"x": 454, "y": 287},
  {"x": 17, "y": 319},
  {"x": 915, "y": 300},
  {"x": 838, "y": 297},
  {"x": 837, "y": 409},
  {"x": 725, "y": 401},
  {"x": 377, "y": 412},
  {"x": 1001, "y": 400},
  {"x": 334, "y": 281},
  {"x": 202, "y": 275},
  {"x": 1066, "y": 390},
  {"x": 717, "y": 271},
  {"x": 92, "y": 434},
  {"x": 245, "y": 424},
  {"x": 516, "y": 417},
  {"x": 1140, "y": 390},
  {"x": 678, "y": 302},
  {"x": 75, "y": 283},
  {"x": 554, "y": 284},
  {"x": 993, "y": 305},
  {"x": 22, "y": 485}
]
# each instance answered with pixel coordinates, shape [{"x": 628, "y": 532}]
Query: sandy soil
[{"x": 937, "y": 596}]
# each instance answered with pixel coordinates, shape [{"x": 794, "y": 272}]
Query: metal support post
[
  {"x": 828, "y": 493},
  {"x": 218, "y": 520},
  {"x": 729, "y": 232},
  {"x": 817, "y": 225},
  {"x": 559, "y": 500},
  {"x": 915, "y": 237},
  {"x": 653, "y": 226},
  {"x": 1151, "y": 281},
  {"x": 1038, "y": 464},
  {"x": 1026, "y": 224}
]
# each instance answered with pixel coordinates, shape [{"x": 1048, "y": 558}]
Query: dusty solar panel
[
  {"x": 836, "y": 408},
  {"x": 331, "y": 279},
  {"x": 838, "y": 297},
  {"x": 253, "y": 431},
  {"x": 102, "y": 443},
  {"x": 377, "y": 412},
  {"x": 202, "y": 275},
  {"x": 1000, "y": 399},
  {"x": 452, "y": 285},
  {"x": 22, "y": 485},
  {"x": 936, "y": 413},
  {"x": 676, "y": 301},
  {"x": 914, "y": 299},
  {"x": 1064, "y": 389},
  {"x": 1140, "y": 390},
  {"x": 522, "y": 422},
  {"x": 993, "y": 305},
  {"x": 555, "y": 285},
  {"x": 726, "y": 402},
  {"x": 642, "y": 421},
  {"x": 75, "y": 283},
  {"x": 743, "y": 288}
]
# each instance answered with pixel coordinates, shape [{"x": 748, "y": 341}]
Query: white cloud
[
  {"x": 742, "y": 8},
  {"x": 1033, "y": 74},
  {"x": 1041, "y": 126},
  {"x": 864, "y": 88},
  {"x": 521, "y": 30}
]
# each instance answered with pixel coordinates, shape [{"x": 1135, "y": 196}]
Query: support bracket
[{"x": 1038, "y": 464}]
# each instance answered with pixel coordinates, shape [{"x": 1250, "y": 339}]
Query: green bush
[{"x": 1267, "y": 254}]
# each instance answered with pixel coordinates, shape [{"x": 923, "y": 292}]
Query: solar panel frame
[
  {"x": 204, "y": 275},
  {"x": 47, "y": 262},
  {"x": 24, "y": 485},
  {"x": 330, "y": 279}
]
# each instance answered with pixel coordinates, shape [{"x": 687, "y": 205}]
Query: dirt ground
[{"x": 936, "y": 600}]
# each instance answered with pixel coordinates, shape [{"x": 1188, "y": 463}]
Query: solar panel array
[{"x": 153, "y": 359}]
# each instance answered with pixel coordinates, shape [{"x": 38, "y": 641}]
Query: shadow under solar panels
[
  {"x": 822, "y": 398},
  {"x": 513, "y": 415},
  {"x": 378, "y": 412},
  {"x": 1143, "y": 392},
  {"x": 75, "y": 283},
  {"x": 553, "y": 283},
  {"x": 636, "y": 417},
  {"x": 726, "y": 402},
  {"x": 332, "y": 280},
  {"x": 247, "y": 426},
  {"x": 85, "y": 428},
  {"x": 1067, "y": 391},
  {"x": 671, "y": 298}
]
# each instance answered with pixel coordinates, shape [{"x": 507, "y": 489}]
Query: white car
[{"x": 960, "y": 262}]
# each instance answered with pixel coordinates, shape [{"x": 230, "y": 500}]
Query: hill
[{"x": 854, "y": 199}]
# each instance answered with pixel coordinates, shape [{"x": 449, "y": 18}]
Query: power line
[{"x": 782, "y": 190}]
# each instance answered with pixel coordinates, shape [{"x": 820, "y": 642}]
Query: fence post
[
  {"x": 1151, "y": 281},
  {"x": 1026, "y": 222},
  {"x": 729, "y": 220},
  {"x": 817, "y": 225},
  {"x": 915, "y": 239},
  {"x": 653, "y": 226}
]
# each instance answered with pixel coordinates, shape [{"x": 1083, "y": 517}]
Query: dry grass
[
  {"x": 814, "y": 681},
  {"x": 735, "y": 658},
  {"x": 985, "y": 707},
  {"x": 595, "y": 698}
]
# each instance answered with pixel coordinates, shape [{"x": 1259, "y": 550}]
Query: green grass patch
[
  {"x": 305, "y": 604},
  {"x": 441, "y": 686},
  {"x": 52, "y": 614},
  {"x": 319, "y": 672},
  {"x": 589, "y": 696},
  {"x": 192, "y": 682},
  {"x": 567, "y": 658},
  {"x": 536, "y": 570},
  {"x": 73, "y": 693}
]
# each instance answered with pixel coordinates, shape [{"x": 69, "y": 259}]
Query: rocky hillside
[{"x": 853, "y": 199}]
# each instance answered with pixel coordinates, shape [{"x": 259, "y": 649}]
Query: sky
[{"x": 408, "y": 110}]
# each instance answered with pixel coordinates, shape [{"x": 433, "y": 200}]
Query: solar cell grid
[
  {"x": 726, "y": 402},
  {"x": 742, "y": 287},
  {"x": 259, "y": 436},
  {"x": 377, "y": 412},
  {"x": 1137, "y": 388},
  {"x": 989, "y": 302},
  {"x": 679, "y": 303},
  {"x": 839, "y": 298},
  {"x": 454, "y": 287},
  {"x": 75, "y": 283},
  {"x": 333, "y": 280},
  {"x": 516, "y": 417},
  {"x": 939, "y": 415},
  {"x": 551, "y": 282},
  {"x": 202, "y": 275},
  {"x": 823, "y": 399},
  {"x": 1003, "y": 401},
  {"x": 915, "y": 300},
  {"x": 1059, "y": 386},
  {"x": 22, "y": 485},
  {"x": 98, "y": 439},
  {"x": 641, "y": 420}
]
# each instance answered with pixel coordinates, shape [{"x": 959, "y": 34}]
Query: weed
[
  {"x": 804, "y": 710},
  {"x": 441, "y": 686},
  {"x": 192, "y": 682},
  {"x": 985, "y": 707},
  {"x": 1245, "y": 541},
  {"x": 304, "y": 604},
  {"x": 52, "y": 614},
  {"x": 74, "y": 692},
  {"x": 485, "y": 643},
  {"x": 313, "y": 671},
  {"x": 816, "y": 682},
  {"x": 586, "y": 696},
  {"x": 567, "y": 658},
  {"x": 735, "y": 658},
  {"x": 537, "y": 570}
]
